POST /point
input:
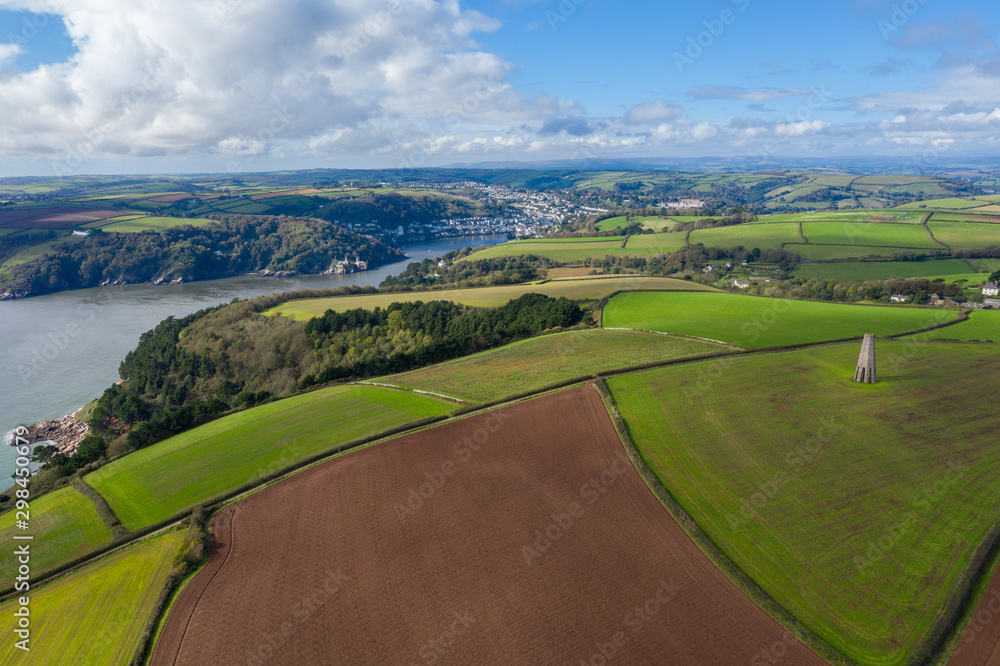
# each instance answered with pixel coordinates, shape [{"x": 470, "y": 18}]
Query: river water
[{"x": 59, "y": 352}]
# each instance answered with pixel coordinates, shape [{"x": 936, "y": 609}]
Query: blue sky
[{"x": 212, "y": 85}]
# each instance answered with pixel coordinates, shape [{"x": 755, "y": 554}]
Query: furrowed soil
[{"x": 538, "y": 544}]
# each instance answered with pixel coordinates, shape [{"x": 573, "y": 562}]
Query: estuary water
[{"x": 59, "y": 352}]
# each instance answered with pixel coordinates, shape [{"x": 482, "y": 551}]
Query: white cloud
[
  {"x": 652, "y": 113},
  {"x": 244, "y": 77},
  {"x": 801, "y": 128},
  {"x": 9, "y": 52}
]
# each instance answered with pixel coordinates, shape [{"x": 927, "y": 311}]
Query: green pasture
[
  {"x": 583, "y": 289},
  {"x": 965, "y": 235},
  {"x": 951, "y": 270},
  {"x": 948, "y": 204},
  {"x": 95, "y": 615},
  {"x": 154, "y": 224},
  {"x": 156, "y": 482},
  {"x": 982, "y": 326},
  {"x": 855, "y": 506},
  {"x": 750, "y": 321},
  {"x": 825, "y": 252},
  {"x": 63, "y": 525},
  {"x": 539, "y": 362},
  {"x": 652, "y": 244},
  {"x": 868, "y": 234},
  {"x": 748, "y": 235},
  {"x": 558, "y": 249}
]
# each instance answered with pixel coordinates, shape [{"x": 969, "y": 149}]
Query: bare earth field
[{"x": 523, "y": 536}]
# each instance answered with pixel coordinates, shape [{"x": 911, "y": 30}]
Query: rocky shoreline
[{"x": 66, "y": 434}]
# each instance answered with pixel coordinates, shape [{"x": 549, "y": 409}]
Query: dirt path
[
  {"x": 523, "y": 536},
  {"x": 980, "y": 644}
]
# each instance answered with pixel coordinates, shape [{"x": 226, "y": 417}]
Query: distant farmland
[{"x": 750, "y": 321}]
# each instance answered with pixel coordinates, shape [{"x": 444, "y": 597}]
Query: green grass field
[
  {"x": 64, "y": 524},
  {"x": 824, "y": 252},
  {"x": 558, "y": 249},
  {"x": 883, "y": 270},
  {"x": 652, "y": 244},
  {"x": 95, "y": 615},
  {"x": 748, "y": 235},
  {"x": 757, "y": 322},
  {"x": 154, "y": 224},
  {"x": 852, "y": 215},
  {"x": 157, "y": 482},
  {"x": 589, "y": 289},
  {"x": 539, "y": 362},
  {"x": 836, "y": 497},
  {"x": 983, "y": 325},
  {"x": 869, "y": 234},
  {"x": 965, "y": 235},
  {"x": 947, "y": 204}
]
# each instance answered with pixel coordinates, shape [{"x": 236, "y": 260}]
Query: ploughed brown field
[
  {"x": 519, "y": 536},
  {"x": 980, "y": 643},
  {"x": 54, "y": 218}
]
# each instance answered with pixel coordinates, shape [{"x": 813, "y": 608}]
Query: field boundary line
[
  {"x": 802, "y": 234},
  {"x": 411, "y": 390},
  {"x": 930, "y": 232},
  {"x": 728, "y": 567},
  {"x": 104, "y": 510},
  {"x": 672, "y": 335}
]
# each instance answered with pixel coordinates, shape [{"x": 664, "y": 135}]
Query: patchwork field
[
  {"x": 983, "y": 325},
  {"x": 855, "y": 233},
  {"x": 156, "y": 482},
  {"x": 749, "y": 321},
  {"x": 965, "y": 235},
  {"x": 64, "y": 524},
  {"x": 883, "y": 270},
  {"x": 590, "y": 289},
  {"x": 748, "y": 235},
  {"x": 154, "y": 224},
  {"x": 855, "y": 506},
  {"x": 539, "y": 362},
  {"x": 54, "y": 217},
  {"x": 539, "y": 545},
  {"x": 559, "y": 249},
  {"x": 95, "y": 615}
]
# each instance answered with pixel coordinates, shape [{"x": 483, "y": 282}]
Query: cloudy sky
[{"x": 101, "y": 86}]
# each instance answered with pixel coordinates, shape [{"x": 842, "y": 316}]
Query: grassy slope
[
  {"x": 539, "y": 362},
  {"x": 95, "y": 615},
  {"x": 582, "y": 289},
  {"x": 64, "y": 524},
  {"x": 899, "y": 235},
  {"x": 823, "y": 252},
  {"x": 965, "y": 235},
  {"x": 982, "y": 325},
  {"x": 761, "y": 322},
  {"x": 729, "y": 444},
  {"x": 154, "y": 223},
  {"x": 883, "y": 270},
  {"x": 748, "y": 235},
  {"x": 154, "y": 483},
  {"x": 564, "y": 250}
]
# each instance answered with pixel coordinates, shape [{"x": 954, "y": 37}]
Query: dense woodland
[
  {"x": 388, "y": 211},
  {"x": 479, "y": 273},
  {"x": 231, "y": 245},
  {"x": 190, "y": 370}
]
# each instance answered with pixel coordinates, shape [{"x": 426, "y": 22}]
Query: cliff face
[{"x": 66, "y": 433}]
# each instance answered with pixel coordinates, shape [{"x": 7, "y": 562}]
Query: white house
[
  {"x": 741, "y": 284},
  {"x": 84, "y": 232},
  {"x": 899, "y": 298},
  {"x": 991, "y": 289}
]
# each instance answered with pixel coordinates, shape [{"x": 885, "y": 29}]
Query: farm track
[
  {"x": 930, "y": 232},
  {"x": 457, "y": 566},
  {"x": 980, "y": 642}
]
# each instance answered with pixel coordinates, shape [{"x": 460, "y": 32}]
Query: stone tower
[{"x": 866, "y": 373}]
